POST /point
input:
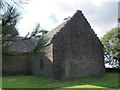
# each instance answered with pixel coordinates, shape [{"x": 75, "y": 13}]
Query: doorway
[{"x": 67, "y": 69}]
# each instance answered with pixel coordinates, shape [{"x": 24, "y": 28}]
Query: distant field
[{"x": 110, "y": 81}]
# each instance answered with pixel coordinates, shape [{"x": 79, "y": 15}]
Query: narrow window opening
[{"x": 41, "y": 64}]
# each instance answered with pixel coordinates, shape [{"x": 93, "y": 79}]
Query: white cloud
[{"x": 94, "y": 10}]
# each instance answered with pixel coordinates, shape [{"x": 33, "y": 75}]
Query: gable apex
[
  {"x": 78, "y": 19},
  {"x": 78, "y": 12}
]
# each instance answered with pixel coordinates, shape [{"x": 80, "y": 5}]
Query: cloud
[
  {"x": 104, "y": 18},
  {"x": 106, "y": 13},
  {"x": 50, "y": 13},
  {"x": 53, "y": 18}
]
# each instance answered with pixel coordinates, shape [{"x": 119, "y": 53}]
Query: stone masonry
[{"x": 76, "y": 50}]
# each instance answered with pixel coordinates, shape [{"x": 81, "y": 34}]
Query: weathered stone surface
[
  {"x": 16, "y": 65},
  {"x": 23, "y": 46},
  {"x": 42, "y": 67},
  {"x": 75, "y": 42}
]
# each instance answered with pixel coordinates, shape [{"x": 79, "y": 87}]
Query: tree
[
  {"x": 41, "y": 33},
  {"x": 10, "y": 17},
  {"x": 9, "y": 20},
  {"x": 111, "y": 45},
  {"x": 118, "y": 20},
  {"x": 118, "y": 43},
  {"x": 43, "y": 41}
]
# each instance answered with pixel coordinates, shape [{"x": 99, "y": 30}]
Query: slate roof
[
  {"x": 23, "y": 46},
  {"x": 51, "y": 34}
]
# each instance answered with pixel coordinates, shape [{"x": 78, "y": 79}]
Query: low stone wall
[
  {"x": 112, "y": 70},
  {"x": 42, "y": 67},
  {"x": 30, "y": 64},
  {"x": 16, "y": 65}
]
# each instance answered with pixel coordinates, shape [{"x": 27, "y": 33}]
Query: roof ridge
[{"x": 53, "y": 32}]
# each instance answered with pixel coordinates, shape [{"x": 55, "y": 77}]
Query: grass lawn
[{"x": 110, "y": 81}]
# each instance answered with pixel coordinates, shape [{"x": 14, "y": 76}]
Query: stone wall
[
  {"x": 77, "y": 44},
  {"x": 16, "y": 65},
  {"x": 30, "y": 64},
  {"x": 42, "y": 67}
]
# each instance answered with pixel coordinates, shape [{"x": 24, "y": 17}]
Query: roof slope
[
  {"x": 24, "y": 46},
  {"x": 20, "y": 46},
  {"x": 82, "y": 18},
  {"x": 51, "y": 34}
]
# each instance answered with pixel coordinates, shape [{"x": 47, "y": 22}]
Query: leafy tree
[
  {"x": 111, "y": 45},
  {"x": 118, "y": 20},
  {"x": 118, "y": 43}
]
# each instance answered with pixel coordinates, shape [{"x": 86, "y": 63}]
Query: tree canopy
[{"x": 111, "y": 47}]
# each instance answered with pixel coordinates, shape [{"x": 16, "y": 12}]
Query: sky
[{"x": 101, "y": 14}]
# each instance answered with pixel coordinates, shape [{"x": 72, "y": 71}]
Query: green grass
[{"x": 110, "y": 80}]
